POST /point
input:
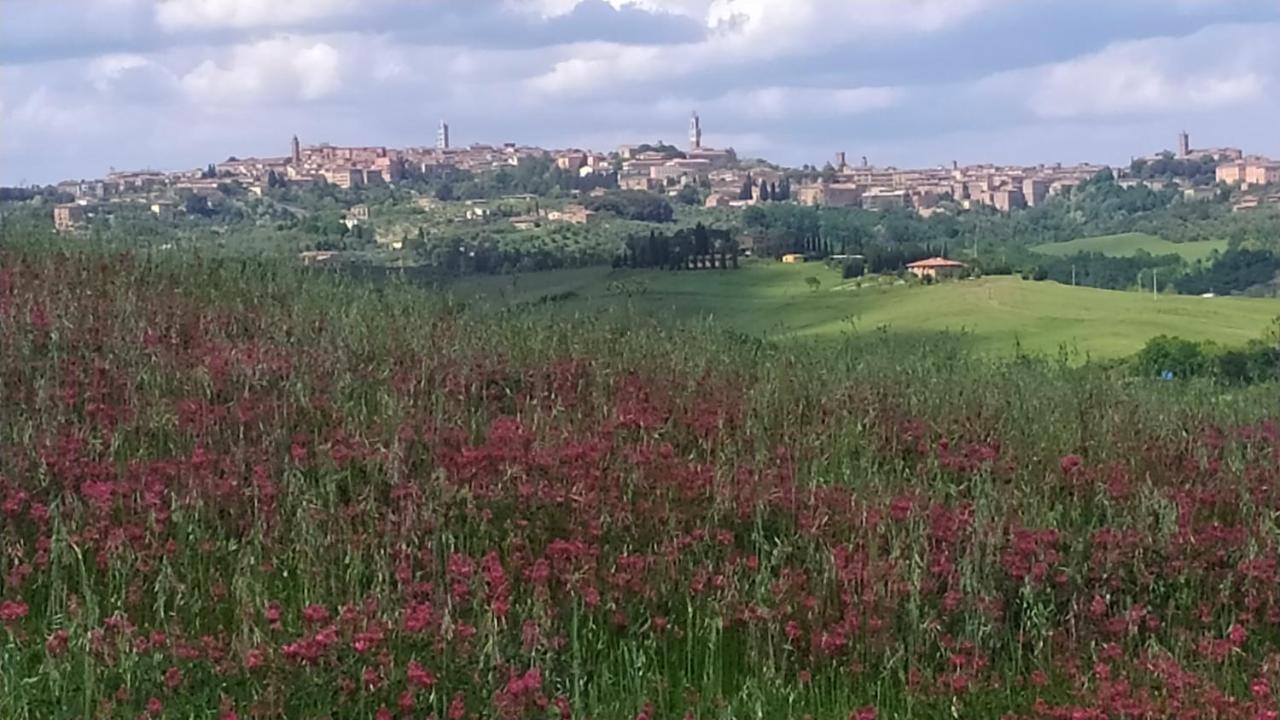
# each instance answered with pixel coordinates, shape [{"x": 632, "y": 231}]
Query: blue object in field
[{"x": 1166, "y": 375}]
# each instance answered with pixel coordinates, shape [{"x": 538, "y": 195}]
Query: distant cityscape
[{"x": 728, "y": 182}]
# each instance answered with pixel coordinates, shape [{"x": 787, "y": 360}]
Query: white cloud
[
  {"x": 820, "y": 22},
  {"x": 45, "y": 110},
  {"x": 278, "y": 69},
  {"x": 747, "y": 31},
  {"x": 773, "y": 103},
  {"x": 589, "y": 66},
  {"x": 554, "y": 8},
  {"x": 130, "y": 78},
  {"x": 787, "y": 79},
  {"x": 783, "y": 102},
  {"x": 1216, "y": 68},
  {"x": 174, "y": 15},
  {"x": 105, "y": 70},
  {"x": 786, "y": 26}
]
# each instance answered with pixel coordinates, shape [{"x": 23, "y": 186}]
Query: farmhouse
[
  {"x": 67, "y": 217},
  {"x": 575, "y": 214},
  {"x": 937, "y": 268}
]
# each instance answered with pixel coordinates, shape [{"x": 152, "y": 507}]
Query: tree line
[
  {"x": 633, "y": 205},
  {"x": 695, "y": 248},
  {"x": 1235, "y": 271}
]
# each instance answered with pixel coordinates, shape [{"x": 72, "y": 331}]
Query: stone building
[{"x": 67, "y": 217}]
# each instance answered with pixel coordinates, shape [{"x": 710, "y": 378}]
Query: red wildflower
[
  {"x": 1237, "y": 635},
  {"x": 315, "y": 614},
  {"x": 457, "y": 707},
  {"x": 418, "y": 618},
  {"x": 57, "y": 643},
  {"x": 11, "y": 611},
  {"x": 419, "y": 676},
  {"x": 254, "y": 659},
  {"x": 1070, "y": 463}
]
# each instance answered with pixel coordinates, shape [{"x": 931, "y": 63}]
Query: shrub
[
  {"x": 1255, "y": 362},
  {"x": 1166, "y": 354}
]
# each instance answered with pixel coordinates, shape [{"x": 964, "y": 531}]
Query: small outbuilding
[{"x": 793, "y": 258}]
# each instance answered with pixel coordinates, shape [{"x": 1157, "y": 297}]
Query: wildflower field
[{"x": 232, "y": 489}]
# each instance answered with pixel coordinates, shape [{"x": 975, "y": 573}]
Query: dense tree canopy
[
  {"x": 693, "y": 248},
  {"x": 633, "y": 205},
  {"x": 1236, "y": 271},
  {"x": 1196, "y": 171}
]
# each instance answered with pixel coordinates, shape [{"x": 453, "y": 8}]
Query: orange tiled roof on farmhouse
[{"x": 936, "y": 262}]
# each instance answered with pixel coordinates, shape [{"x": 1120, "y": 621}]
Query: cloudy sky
[{"x": 90, "y": 85}]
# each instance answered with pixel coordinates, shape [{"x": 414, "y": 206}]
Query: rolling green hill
[
  {"x": 996, "y": 313},
  {"x": 1127, "y": 244}
]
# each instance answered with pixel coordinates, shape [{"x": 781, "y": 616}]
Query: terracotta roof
[{"x": 937, "y": 262}]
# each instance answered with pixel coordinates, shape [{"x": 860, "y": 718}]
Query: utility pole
[
  {"x": 1155, "y": 283},
  {"x": 1073, "y": 274}
]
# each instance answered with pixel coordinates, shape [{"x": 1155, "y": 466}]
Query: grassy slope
[
  {"x": 997, "y": 313},
  {"x": 1127, "y": 244}
]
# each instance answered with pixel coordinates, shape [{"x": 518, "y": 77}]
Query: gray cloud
[{"x": 61, "y": 29}]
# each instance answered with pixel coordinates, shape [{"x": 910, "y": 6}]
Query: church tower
[
  {"x": 296, "y": 150},
  {"x": 442, "y": 136},
  {"x": 695, "y": 132}
]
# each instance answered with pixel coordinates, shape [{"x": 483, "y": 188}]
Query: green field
[
  {"x": 1127, "y": 244},
  {"x": 997, "y": 314}
]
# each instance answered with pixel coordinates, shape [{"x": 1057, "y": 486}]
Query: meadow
[
  {"x": 1129, "y": 244},
  {"x": 234, "y": 489},
  {"x": 998, "y": 315}
]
